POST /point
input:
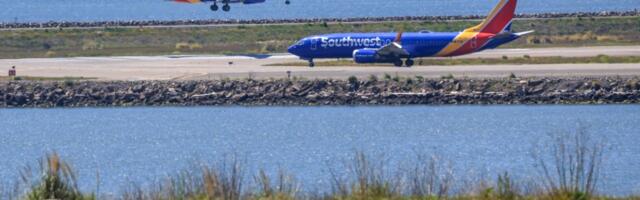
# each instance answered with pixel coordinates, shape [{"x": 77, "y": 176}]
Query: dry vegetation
[
  {"x": 569, "y": 169},
  {"x": 276, "y": 38}
]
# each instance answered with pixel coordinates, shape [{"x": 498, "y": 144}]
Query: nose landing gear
[{"x": 311, "y": 63}]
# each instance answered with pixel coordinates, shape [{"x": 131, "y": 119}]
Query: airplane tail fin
[{"x": 499, "y": 20}]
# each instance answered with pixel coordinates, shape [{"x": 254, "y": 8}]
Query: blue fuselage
[{"x": 418, "y": 44}]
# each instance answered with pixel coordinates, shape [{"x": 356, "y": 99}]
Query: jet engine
[{"x": 366, "y": 56}]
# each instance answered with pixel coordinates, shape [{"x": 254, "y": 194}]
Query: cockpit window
[{"x": 300, "y": 43}]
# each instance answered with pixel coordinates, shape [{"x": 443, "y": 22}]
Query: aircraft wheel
[
  {"x": 312, "y": 64},
  {"x": 226, "y": 8},
  {"x": 397, "y": 63},
  {"x": 287, "y": 2},
  {"x": 214, "y": 7},
  {"x": 409, "y": 63}
]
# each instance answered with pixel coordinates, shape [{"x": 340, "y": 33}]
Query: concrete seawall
[{"x": 404, "y": 91}]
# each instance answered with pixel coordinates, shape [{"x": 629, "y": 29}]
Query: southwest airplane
[
  {"x": 494, "y": 31},
  {"x": 225, "y": 7}
]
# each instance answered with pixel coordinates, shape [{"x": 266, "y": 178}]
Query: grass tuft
[
  {"x": 569, "y": 164},
  {"x": 57, "y": 180}
]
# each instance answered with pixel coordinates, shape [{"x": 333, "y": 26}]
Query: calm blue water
[
  {"x": 143, "y": 144},
  {"x": 101, "y": 10}
]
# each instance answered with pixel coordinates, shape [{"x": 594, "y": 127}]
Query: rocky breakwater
[{"x": 391, "y": 91}]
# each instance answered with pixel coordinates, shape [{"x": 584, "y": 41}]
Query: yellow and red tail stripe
[{"x": 476, "y": 37}]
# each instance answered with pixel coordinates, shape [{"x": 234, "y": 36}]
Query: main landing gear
[
  {"x": 287, "y": 2},
  {"x": 408, "y": 63},
  {"x": 225, "y": 7}
]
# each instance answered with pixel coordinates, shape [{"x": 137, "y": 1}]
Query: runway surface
[{"x": 216, "y": 66}]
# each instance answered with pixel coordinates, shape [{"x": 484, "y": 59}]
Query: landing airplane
[
  {"x": 226, "y": 7},
  {"x": 494, "y": 31}
]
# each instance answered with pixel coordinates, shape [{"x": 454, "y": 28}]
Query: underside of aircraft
[{"x": 225, "y": 3}]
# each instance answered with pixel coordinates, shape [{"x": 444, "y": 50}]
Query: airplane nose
[{"x": 293, "y": 50}]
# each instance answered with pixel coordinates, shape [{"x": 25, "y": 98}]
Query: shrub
[
  {"x": 506, "y": 188},
  {"x": 222, "y": 182},
  {"x": 430, "y": 178},
  {"x": 182, "y": 46},
  {"x": 373, "y": 78},
  {"x": 286, "y": 186},
  {"x": 367, "y": 179},
  {"x": 575, "y": 170},
  {"x": 409, "y": 81},
  {"x": 50, "y": 54},
  {"x": 194, "y": 46},
  {"x": 353, "y": 80},
  {"x": 396, "y": 78},
  {"x": 448, "y": 76},
  {"x": 68, "y": 82},
  {"x": 58, "y": 181},
  {"x": 604, "y": 58},
  {"x": 91, "y": 45},
  {"x": 387, "y": 77}
]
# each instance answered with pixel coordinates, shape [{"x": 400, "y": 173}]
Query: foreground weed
[{"x": 57, "y": 180}]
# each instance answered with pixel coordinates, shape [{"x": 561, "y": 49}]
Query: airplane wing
[{"x": 393, "y": 49}]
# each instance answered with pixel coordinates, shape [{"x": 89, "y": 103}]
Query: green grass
[
  {"x": 276, "y": 38},
  {"x": 486, "y": 61}
]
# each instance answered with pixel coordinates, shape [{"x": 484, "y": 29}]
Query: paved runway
[{"x": 214, "y": 67}]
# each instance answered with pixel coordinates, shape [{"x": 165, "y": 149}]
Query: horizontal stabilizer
[{"x": 524, "y": 33}]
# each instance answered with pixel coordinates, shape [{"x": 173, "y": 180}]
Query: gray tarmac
[{"x": 244, "y": 66}]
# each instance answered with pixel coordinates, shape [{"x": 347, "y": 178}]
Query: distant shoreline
[{"x": 211, "y": 22}]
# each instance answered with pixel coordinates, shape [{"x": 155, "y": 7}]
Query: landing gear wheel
[
  {"x": 397, "y": 63},
  {"x": 226, "y": 8},
  {"x": 287, "y": 2},
  {"x": 214, "y": 7},
  {"x": 312, "y": 64},
  {"x": 409, "y": 63}
]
